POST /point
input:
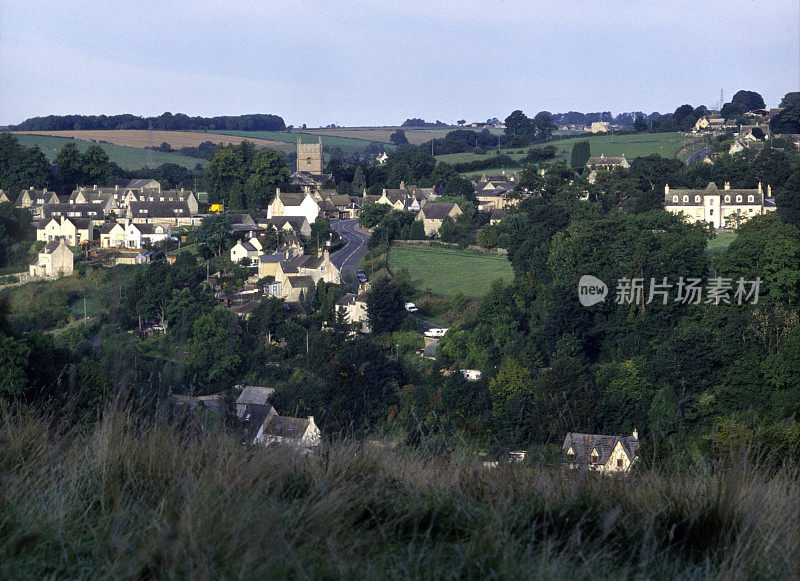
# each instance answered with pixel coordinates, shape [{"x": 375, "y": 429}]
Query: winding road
[
  {"x": 355, "y": 237},
  {"x": 699, "y": 154}
]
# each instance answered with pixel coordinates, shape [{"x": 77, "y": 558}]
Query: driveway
[{"x": 355, "y": 237}]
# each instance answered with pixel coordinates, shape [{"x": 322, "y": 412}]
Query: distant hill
[{"x": 166, "y": 121}]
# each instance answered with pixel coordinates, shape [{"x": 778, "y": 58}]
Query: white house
[
  {"x": 74, "y": 231},
  {"x": 250, "y": 249},
  {"x": 54, "y": 260},
  {"x": 112, "y": 235},
  {"x": 294, "y": 205},
  {"x": 137, "y": 234},
  {"x": 296, "y": 432}
]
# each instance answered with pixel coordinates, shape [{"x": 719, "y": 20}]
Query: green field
[
  {"x": 633, "y": 146},
  {"x": 123, "y": 156},
  {"x": 720, "y": 242},
  {"x": 447, "y": 271},
  {"x": 290, "y": 139}
]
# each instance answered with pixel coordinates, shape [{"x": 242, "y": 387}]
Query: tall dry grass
[{"x": 144, "y": 498}]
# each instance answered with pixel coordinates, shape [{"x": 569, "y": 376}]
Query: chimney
[
  {"x": 95, "y": 186},
  {"x": 319, "y": 252},
  {"x": 727, "y": 185},
  {"x": 759, "y": 188},
  {"x": 635, "y": 433},
  {"x": 666, "y": 189},
  {"x": 769, "y": 191},
  {"x": 402, "y": 185}
]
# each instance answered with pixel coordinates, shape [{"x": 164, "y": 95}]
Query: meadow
[
  {"x": 124, "y": 156},
  {"x": 448, "y": 271},
  {"x": 141, "y": 138},
  {"x": 633, "y": 146},
  {"x": 720, "y": 242},
  {"x": 287, "y": 142},
  {"x": 139, "y": 495}
]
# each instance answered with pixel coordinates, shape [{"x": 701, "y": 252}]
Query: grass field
[
  {"x": 288, "y": 141},
  {"x": 141, "y": 138},
  {"x": 633, "y": 146},
  {"x": 720, "y": 242},
  {"x": 447, "y": 271},
  {"x": 124, "y": 156}
]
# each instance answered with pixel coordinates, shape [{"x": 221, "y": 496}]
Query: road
[
  {"x": 700, "y": 153},
  {"x": 347, "y": 258}
]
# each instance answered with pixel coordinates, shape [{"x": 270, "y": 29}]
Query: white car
[
  {"x": 432, "y": 333},
  {"x": 411, "y": 307}
]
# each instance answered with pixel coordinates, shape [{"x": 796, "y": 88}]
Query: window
[
  {"x": 685, "y": 198},
  {"x": 308, "y": 161},
  {"x": 711, "y": 211},
  {"x": 738, "y": 198},
  {"x": 750, "y": 198},
  {"x": 595, "y": 458},
  {"x": 619, "y": 463},
  {"x": 727, "y": 199},
  {"x": 697, "y": 199}
]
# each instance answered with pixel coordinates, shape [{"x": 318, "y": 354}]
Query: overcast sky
[{"x": 371, "y": 62}]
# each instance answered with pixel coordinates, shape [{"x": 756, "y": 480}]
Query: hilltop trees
[
  {"x": 22, "y": 167},
  {"x": 580, "y": 154},
  {"x": 244, "y": 178}
]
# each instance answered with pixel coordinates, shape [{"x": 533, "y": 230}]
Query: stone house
[
  {"x": 600, "y": 453},
  {"x": 54, "y": 260},
  {"x": 297, "y": 224},
  {"x": 137, "y": 234},
  {"x": 167, "y": 213},
  {"x": 296, "y": 432},
  {"x": 249, "y": 249},
  {"x": 355, "y": 308},
  {"x": 600, "y": 127},
  {"x": 74, "y": 231},
  {"x": 253, "y": 395},
  {"x": 36, "y": 198},
  {"x": 433, "y": 214},
  {"x": 722, "y": 209},
  {"x": 284, "y": 204},
  {"x": 296, "y": 276},
  {"x": 91, "y": 211},
  {"x": 4, "y": 197},
  {"x": 112, "y": 235},
  {"x": 495, "y": 194}
]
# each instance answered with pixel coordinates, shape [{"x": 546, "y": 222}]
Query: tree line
[{"x": 166, "y": 122}]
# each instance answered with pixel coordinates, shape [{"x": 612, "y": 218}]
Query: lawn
[
  {"x": 124, "y": 156},
  {"x": 633, "y": 146},
  {"x": 447, "y": 271},
  {"x": 720, "y": 242}
]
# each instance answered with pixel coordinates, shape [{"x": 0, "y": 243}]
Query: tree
[
  {"x": 461, "y": 122},
  {"x": 69, "y": 165},
  {"x": 384, "y": 307},
  {"x": 96, "y": 166},
  {"x": 640, "y": 124},
  {"x": 214, "y": 232},
  {"x": 790, "y": 99},
  {"x": 371, "y": 214},
  {"x": 267, "y": 171},
  {"x": 359, "y": 184},
  {"x": 399, "y": 138},
  {"x": 214, "y": 352},
  {"x": 748, "y": 100},
  {"x": 518, "y": 124},
  {"x": 787, "y": 199},
  {"x": 581, "y": 153},
  {"x": 542, "y": 123},
  {"x": 771, "y": 167},
  {"x": 511, "y": 392},
  {"x": 20, "y": 166},
  {"x": 13, "y": 361}
]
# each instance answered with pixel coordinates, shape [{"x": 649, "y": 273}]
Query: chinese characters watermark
[{"x": 688, "y": 291}]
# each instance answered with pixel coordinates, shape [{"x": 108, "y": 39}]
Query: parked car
[
  {"x": 361, "y": 276},
  {"x": 411, "y": 307},
  {"x": 435, "y": 332}
]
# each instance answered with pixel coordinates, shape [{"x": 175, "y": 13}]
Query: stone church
[{"x": 309, "y": 175}]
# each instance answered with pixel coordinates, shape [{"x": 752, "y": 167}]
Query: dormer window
[
  {"x": 727, "y": 199},
  {"x": 738, "y": 198},
  {"x": 674, "y": 198},
  {"x": 697, "y": 199},
  {"x": 595, "y": 457},
  {"x": 750, "y": 198},
  {"x": 685, "y": 198}
]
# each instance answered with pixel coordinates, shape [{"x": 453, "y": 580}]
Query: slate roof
[
  {"x": 300, "y": 281},
  {"x": 296, "y": 222},
  {"x": 713, "y": 190},
  {"x": 583, "y": 444},
  {"x": 241, "y": 219},
  {"x": 272, "y": 258},
  {"x": 255, "y": 394},
  {"x": 285, "y": 427},
  {"x": 133, "y": 184},
  {"x": 437, "y": 210},
  {"x": 50, "y": 246},
  {"x": 85, "y": 210},
  {"x": 340, "y": 200},
  {"x": 149, "y": 228},
  {"x": 159, "y": 209},
  {"x": 604, "y": 161},
  {"x": 291, "y": 199}
]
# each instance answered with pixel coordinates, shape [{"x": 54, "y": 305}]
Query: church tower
[{"x": 309, "y": 157}]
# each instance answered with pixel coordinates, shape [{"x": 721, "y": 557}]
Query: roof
[
  {"x": 272, "y": 258},
  {"x": 85, "y": 210},
  {"x": 108, "y": 227},
  {"x": 149, "y": 228},
  {"x": 240, "y": 218},
  {"x": 285, "y": 427},
  {"x": 133, "y": 184},
  {"x": 291, "y": 199},
  {"x": 340, "y": 200},
  {"x": 605, "y": 161},
  {"x": 430, "y": 350},
  {"x": 437, "y": 210},
  {"x": 583, "y": 444},
  {"x": 159, "y": 209},
  {"x": 300, "y": 281},
  {"x": 255, "y": 394},
  {"x": 51, "y": 246},
  {"x": 296, "y": 222}
]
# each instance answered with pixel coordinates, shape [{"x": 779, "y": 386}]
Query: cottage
[
  {"x": 600, "y": 453},
  {"x": 4, "y": 197},
  {"x": 722, "y": 209},
  {"x": 433, "y": 214},
  {"x": 600, "y": 127},
  {"x": 302, "y": 434},
  {"x": 247, "y": 249},
  {"x": 167, "y": 213},
  {"x": 318, "y": 268},
  {"x": 36, "y": 198},
  {"x": 112, "y": 235},
  {"x": 54, "y": 260},
  {"x": 284, "y": 204},
  {"x": 74, "y": 231},
  {"x": 355, "y": 308},
  {"x": 253, "y": 395},
  {"x": 140, "y": 235}
]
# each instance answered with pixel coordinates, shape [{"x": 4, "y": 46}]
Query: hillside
[
  {"x": 144, "y": 498},
  {"x": 126, "y": 157}
]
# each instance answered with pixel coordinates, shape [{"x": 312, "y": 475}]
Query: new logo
[{"x": 591, "y": 290}]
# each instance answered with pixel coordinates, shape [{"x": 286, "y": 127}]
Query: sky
[{"x": 360, "y": 62}]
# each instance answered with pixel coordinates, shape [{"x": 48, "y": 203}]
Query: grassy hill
[
  {"x": 289, "y": 140},
  {"x": 125, "y": 156},
  {"x": 447, "y": 271},
  {"x": 633, "y": 146},
  {"x": 138, "y": 496}
]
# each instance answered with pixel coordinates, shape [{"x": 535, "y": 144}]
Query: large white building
[{"x": 726, "y": 208}]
